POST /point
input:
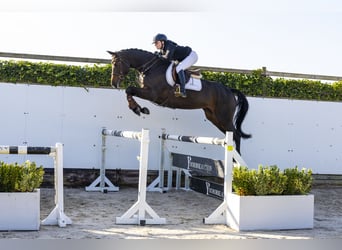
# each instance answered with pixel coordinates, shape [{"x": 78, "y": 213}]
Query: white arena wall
[{"x": 285, "y": 132}]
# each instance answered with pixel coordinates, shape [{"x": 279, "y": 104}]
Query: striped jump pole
[
  {"x": 57, "y": 215},
  {"x": 194, "y": 139},
  {"x": 102, "y": 183},
  {"x": 188, "y": 139},
  {"x": 158, "y": 183},
  {"x": 120, "y": 133},
  {"x": 221, "y": 213},
  {"x": 26, "y": 150},
  {"x": 137, "y": 213},
  {"x": 207, "y": 140}
]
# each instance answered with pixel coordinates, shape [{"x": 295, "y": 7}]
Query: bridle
[
  {"x": 118, "y": 61},
  {"x": 115, "y": 61}
]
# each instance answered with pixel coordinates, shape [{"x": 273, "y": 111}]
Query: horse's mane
[
  {"x": 147, "y": 55},
  {"x": 136, "y": 50}
]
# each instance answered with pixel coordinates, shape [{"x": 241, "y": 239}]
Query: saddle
[{"x": 194, "y": 73}]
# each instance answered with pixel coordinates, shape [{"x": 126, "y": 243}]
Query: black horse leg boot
[{"x": 181, "y": 77}]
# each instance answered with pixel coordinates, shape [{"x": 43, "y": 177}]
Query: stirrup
[
  {"x": 177, "y": 90},
  {"x": 180, "y": 94},
  {"x": 183, "y": 94}
]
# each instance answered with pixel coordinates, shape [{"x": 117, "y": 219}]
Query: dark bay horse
[{"x": 219, "y": 102}]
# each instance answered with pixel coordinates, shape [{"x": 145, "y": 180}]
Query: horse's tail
[{"x": 242, "y": 108}]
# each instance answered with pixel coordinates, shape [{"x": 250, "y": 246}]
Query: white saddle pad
[{"x": 193, "y": 83}]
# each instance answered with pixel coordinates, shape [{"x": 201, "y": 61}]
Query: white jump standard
[
  {"x": 221, "y": 213},
  {"x": 137, "y": 213},
  {"x": 57, "y": 216},
  {"x": 102, "y": 183}
]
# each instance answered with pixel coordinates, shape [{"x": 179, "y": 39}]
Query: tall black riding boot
[{"x": 181, "y": 76}]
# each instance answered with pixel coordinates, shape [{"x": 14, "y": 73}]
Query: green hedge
[
  {"x": 270, "y": 180},
  {"x": 255, "y": 84},
  {"x": 54, "y": 74},
  {"x": 25, "y": 177}
]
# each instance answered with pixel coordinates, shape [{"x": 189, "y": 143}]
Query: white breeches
[{"x": 188, "y": 61}]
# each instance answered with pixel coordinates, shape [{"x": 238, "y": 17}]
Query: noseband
[{"x": 115, "y": 62}]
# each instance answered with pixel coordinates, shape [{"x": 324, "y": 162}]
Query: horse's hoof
[
  {"x": 136, "y": 111},
  {"x": 145, "y": 111}
]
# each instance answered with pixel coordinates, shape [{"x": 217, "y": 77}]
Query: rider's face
[{"x": 158, "y": 44}]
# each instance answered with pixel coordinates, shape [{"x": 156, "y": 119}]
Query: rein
[
  {"x": 148, "y": 65},
  {"x": 142, "y": 69}
]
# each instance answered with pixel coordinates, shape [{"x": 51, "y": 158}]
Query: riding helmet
[{"x": 159, "y": 37}]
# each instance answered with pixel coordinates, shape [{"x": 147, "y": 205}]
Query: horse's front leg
[{"x": 133, "y": 105}]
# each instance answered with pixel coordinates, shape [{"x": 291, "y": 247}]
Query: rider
[{"x": 171, "y": 51}]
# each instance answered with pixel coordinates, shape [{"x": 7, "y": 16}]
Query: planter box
[
  {"x": 272, "y": 212},
  {"x": 20, "y": 211}
]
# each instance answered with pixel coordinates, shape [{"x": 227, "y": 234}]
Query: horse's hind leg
[
  {"x": 229, "y": 126},
  {"x": 224, "y": 122}
]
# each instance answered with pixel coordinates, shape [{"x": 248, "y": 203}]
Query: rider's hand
[{"x": 159, "y": 54}]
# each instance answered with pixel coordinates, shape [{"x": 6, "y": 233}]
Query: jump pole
[
  {"x": 189, "y": 139},
  {"x": 221, "y": 215},
  {"x": 137, "y": 213},
  {"x": 57, "y": 215}
]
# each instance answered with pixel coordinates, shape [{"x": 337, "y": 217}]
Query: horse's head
[{"x": 120, "y": 69}]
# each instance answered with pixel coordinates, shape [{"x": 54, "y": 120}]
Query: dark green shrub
[
  {"x": 298, "y": 181},
  {"x": 271, "y": 181},
  {"x": 31, "y": 177},
  {"x": 10, "y": 175},
  {"x": 243, "y": 181},
  {"x": 20, "y": 178}
]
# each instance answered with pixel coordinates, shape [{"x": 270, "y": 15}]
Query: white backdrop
[{"x": 285, "y": 132}]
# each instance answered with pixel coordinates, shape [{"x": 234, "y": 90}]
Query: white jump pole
[{"x": 137, "y": 213}]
